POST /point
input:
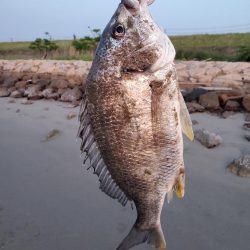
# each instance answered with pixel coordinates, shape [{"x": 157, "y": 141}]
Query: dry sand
[{"x": 48, "y": 201}]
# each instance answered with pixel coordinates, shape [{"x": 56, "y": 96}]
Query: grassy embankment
[{"x": 196, "y": 47}]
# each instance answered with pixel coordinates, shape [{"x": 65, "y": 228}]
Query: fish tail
[{"x": 136, "y": 236}]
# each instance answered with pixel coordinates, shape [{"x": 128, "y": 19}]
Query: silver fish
[{"x": 132, "y": 117}]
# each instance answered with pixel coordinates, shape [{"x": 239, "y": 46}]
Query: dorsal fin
[{"x": 90, "y": 148}]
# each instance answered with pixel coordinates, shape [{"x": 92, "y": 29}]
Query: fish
[{"x": 132, "y": 116}]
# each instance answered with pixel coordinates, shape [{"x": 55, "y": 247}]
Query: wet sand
[{"x": 49, "y": 201}]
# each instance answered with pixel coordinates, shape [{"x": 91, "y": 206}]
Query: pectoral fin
[{"x": 186, "y": 122}]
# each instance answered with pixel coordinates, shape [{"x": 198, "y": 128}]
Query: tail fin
[{"x": 154, "y": 237}]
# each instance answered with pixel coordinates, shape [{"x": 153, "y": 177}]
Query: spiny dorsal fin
[
  {"x": 186, "y": 123},
  {"x": 90, "y": 147}
]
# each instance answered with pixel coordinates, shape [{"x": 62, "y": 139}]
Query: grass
[
  {"x": 225, "y": 47},
  {"x": 235, "y": 40}
]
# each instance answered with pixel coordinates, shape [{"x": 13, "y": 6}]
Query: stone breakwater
[
  {"x": 64, "y": 81},
  {"x": 37, "y": 79}
]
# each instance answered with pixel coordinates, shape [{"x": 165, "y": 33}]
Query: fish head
[{"x": 133, "y": 42}]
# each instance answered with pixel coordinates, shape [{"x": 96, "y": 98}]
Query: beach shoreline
[{"x": 48, "y": 200}]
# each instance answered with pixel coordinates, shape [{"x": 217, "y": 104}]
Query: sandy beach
[{"x": 49, "y": 201}]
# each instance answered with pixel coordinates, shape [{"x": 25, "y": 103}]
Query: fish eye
[{"x": 118, "y": 31}]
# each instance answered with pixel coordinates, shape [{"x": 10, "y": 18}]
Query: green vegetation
[
  {"x": 226, "y": 47},
  {"x": 44, "y": 46}
]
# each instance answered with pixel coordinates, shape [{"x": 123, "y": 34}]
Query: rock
[
  {"x": 247, "y": 117},
  {"x": 10, "y": 81},
  {"x": 27, "y": 102},
  {"x": 12, "y": 101},
  {"x": 246, "y": 126},
  {"x": 50, "y": 94},
  {"x": 21, "y": 85},
  {"x": 75, "y": 104},
  {"x": 16, "y": 94},
  {"x": 240, "y": 166},
  {"x": 227, "y": 114},
  {"x": 194, "y": 107},
  {"x": 18, "y": 111},
  {"x": 34, "y": 92},
  {"x": 43, "y": 82},
  {"x": 226, "y": 97},
  {"x": 214, "y": 71},
  {"x": 59, "y": 83},
  {"x": 47, "y": 92},
  {"x": 54, "y": 133},
  {"x": 27, "y": 78},
  {"x": 194, "y": 94},
  {"x": 232, "y": 106},
  {"x": 61, "y": 91},
  {"x": 246, "y": 102},
  {"x": 71, "y": 95},
  {"x": 247, "y": 136},
  {"x": 71, "y": 115},
  {"x": 11, "y": 89},
  {"x": 194, "y": 122},
  {"x": 35, "y": 96},
  {"x": 230, "y": 80},
  {"x": 206, "y": 138},
  {"x": 4, "y": 92},
  {"x": 210, "y": 101}
]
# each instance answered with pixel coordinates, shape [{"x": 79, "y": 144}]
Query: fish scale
[{"x": 132, "y": 117}]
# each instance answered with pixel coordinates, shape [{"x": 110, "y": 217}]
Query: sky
[{"x": 25, "y": 20}]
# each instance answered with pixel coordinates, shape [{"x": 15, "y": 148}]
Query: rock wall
[
  {"x": 64, "y": 80},
  {"x": 37, "y": 79},
  {"x": 214, "y": 74}
]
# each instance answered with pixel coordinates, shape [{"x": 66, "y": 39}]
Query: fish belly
[{"x": 141, "y": 144}]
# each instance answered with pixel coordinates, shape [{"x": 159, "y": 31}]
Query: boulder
[
  {"x": 194, "y": 94},
  {"x": 61, "y": 91},
  {"x": 227, "y": 114},
  {"x": 194, "y": 122},
  {"x": 246, "y": 126},
  {"x": 50, "y": 94},
  {"x": 194, "y": 107},
  {"x": 71, "y": 115},
  {"x": 59, "y": 83},
  {"x": 228, "y": 80},
  {"x": 240, "y": 166},
  {"x": 12, "y": 101},
  {"x": 247, "y": 136},
  {"x": 34, "y": 92},
  {"x": 232, "y": 106},
  {"x": 21, "y": 84},
  {"x": 4, "y": 92},
  {"x": 208, "y": 139},
  {"x": 16, "y": 94},
  {"x": 10, "y": 81},
  {"x": 71, "y": 95},
  {"x": 51, "y": 135},
  {"x": 234, "y": 95},
  {"x": 26, "y": 102},
  {"x": 11, "y": 89},
  {"x": 43, "y": 82},
  {"x": 210, "y": 101},
  {"x": 247, "y": 117},
  {"x": 246, "y": 102}
]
